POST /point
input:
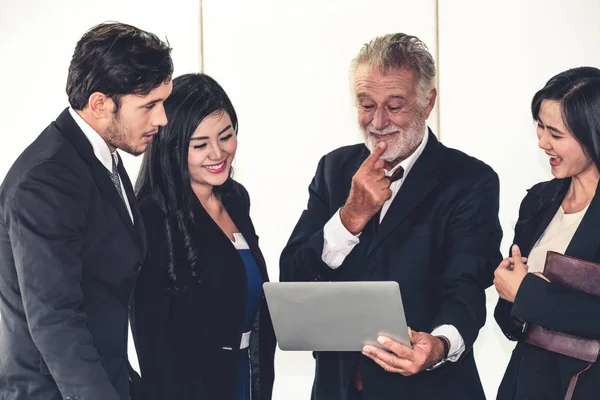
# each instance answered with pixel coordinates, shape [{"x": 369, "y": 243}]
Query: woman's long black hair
[{"x": 164, "y": 172}]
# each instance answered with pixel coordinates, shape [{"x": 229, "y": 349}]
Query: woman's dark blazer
[
  {"x": 188, "y": 342},
  {"x": 535, "y": 373}
]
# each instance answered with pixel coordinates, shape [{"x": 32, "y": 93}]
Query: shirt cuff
[
  {"x": 457, "y": 344},
  {"x": 338, "y": 242}
]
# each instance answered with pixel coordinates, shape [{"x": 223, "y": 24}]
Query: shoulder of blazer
[
  {"x": 50, "y": 159},
  {"x": 53, "y": 154},
  {"x": 51, "y": 146},
  {"x": 235, "y": 191},
  {"x": 457, "y": 166},
  {"x": 237, "y": 202},
  {"x": 542, "y": 194},
  {"x": 535, "y": 211},
  {"x": 548, "y": 188},
  {"x": 341, "y": 157}
]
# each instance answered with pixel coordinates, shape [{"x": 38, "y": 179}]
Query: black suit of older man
[{"x": 439, "y": 240}]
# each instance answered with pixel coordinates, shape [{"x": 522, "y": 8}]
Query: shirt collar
[
  {"x": 408, "y": 163},
  {"x": 99, "y": 146}
]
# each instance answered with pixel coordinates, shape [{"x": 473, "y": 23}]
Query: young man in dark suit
[
  {"x": 71, "y": 237},
  {"x": 404, "y": 208}
]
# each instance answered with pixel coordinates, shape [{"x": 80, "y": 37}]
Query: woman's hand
[{"x": 510, "y": 274}]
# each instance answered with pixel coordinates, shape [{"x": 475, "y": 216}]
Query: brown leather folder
[
  {"x": 577, "y": 274},
  {"x": 573, "y": 272},
  {"x": 580, "y": 275}
]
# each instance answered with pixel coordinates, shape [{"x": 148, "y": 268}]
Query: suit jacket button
[{"x": 137, "y": 268}]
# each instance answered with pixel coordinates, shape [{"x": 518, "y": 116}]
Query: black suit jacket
[
  {"x": 188, "y": 342},
  {"x": 439, "y": 240},
  {"x": 535, "y": 373},
  {"x": 69, "y": 256}
]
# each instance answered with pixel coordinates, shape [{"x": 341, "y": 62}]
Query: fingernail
[{"x": 381, "y": 340}]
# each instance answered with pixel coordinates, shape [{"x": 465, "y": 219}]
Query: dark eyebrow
[
  {"x": 151, "y": 103},
  {"x": 553, "y": 129},
  {"x": 228, "y": 127}
]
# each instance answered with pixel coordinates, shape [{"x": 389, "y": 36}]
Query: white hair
[{"x": 399, "y": 50}]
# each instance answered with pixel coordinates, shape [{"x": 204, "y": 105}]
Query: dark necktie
[
  {"x": 114, "y": 177},
  {"x": 397, "y": 175}
]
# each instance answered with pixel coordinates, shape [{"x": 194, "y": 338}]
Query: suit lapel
[
  {"x": 235, "y": 209},
  {"x": 584, "y": 244},
  {"x": 71, "y": 131},
  {"x": 422, "y": 179},
  {"x": 536, "y": 220}
]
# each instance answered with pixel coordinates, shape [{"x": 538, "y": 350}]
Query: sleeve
[
  {"x": 151, "y": 312},
  {"x": 557, "y": 307},
  {"x": 337, "y": 242},
  {"x": 47, "y": 242},
  {"x": 301, "y": 259},
  {"x": 472, "y": 253},
  {"x": 457, "y": 344},
  {"x": 503, "y": 310},
  {"x": 504, "y": 319}
]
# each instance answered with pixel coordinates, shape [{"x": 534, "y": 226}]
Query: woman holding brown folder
[{"x": 554, "y": 322}]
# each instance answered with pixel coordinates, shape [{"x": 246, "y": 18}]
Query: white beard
[{"x": 404, "y": 142}]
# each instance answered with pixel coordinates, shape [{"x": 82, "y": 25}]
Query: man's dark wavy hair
[{"x": 117, "y": 59}]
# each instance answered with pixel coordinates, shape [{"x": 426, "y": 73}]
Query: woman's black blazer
[
  {"x": 188, "y": 341},
  {"x": 535, "y": 373}
]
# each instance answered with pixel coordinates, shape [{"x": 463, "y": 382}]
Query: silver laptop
[{"x": 335, "y": 316}]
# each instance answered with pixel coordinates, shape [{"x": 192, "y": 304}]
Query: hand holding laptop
[{"x": 427, "y": 350}]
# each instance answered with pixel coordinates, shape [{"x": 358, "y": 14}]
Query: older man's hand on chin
[{"x": 370, "y": 189}]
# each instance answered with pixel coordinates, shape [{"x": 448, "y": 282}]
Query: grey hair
[{"x": 399, "y": 50}]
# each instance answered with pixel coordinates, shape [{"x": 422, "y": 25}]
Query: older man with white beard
[{"x": 403, "y": 208}]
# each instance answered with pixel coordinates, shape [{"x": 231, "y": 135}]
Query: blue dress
[{"x": 255, "y": 292}]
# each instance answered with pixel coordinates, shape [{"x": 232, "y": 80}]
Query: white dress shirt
[
  {"x": 101, "y": 151},
  {"x": 338, "y": 243}
]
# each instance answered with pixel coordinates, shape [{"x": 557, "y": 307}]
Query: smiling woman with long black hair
[
  {"x": 200, "y": 321},
  {"x": 563, "y": 216}
]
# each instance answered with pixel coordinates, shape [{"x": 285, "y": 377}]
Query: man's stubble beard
[{"x": 118, "y": 134}]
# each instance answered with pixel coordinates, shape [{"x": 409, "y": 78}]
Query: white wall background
[{"x": 284, "y": 65}]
